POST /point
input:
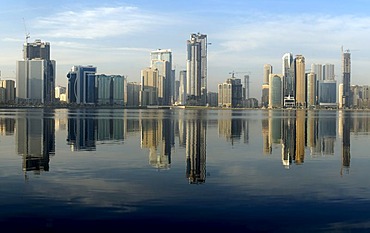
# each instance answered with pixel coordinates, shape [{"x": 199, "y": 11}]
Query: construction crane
[{"x": 26, "y": 31}]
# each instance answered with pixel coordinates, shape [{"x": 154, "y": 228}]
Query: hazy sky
[{"x": 117, "y": 36}]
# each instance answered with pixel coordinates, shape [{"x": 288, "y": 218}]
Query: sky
[{"x": 117, "y": 36}]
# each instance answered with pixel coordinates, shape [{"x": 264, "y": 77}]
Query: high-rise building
[
  {"x": 9, "y": 86},
  {"x": 288, "y": 71},
  {"x": 182, "y": 89},
  {"x": 132, "y": 98},
  {"x": 104, "y": 84},
  {"x": 119, "y": 89},
  {"x": 328, "y": 72},
  {"x": 299, "y": 62},
  {"x": 346, "y": 78},
  {"x": 311, "y": 89},
  {"x": 196, "y": 69},
  {"x": 267, "y": 70},
  {"x": 149, "y": 87},
  {"x": 35, "y": 75},
  {"x": 275, "y": 88},
  {"x": 230, "y": 93},
  {"x": 265, "y": 95},
  {"x": 327, "y": 93},
  {"x": 340, "y": 95},
  {"x": 161, "y": 59},
  {"x": 81, "y": 85},
  {"x": 317, "y": 70},
  {"x": 212, "y": 99}
]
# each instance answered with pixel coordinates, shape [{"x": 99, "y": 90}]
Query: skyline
[{"x": 118, "y": 37}]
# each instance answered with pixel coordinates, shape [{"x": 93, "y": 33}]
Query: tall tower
[
  {"x": 300, "y": 81},
  {"x": 328, "y": 72},
  {"x": 311, "y": 89},
  {"x": 346, "y": 78},
  {"x": 162, "y": 60},
  {"x": 246, "y": 87},
  {"x": 196, "y": 69},
  {"x": 288, "y": 75},
  {"x": 317, "y": 70},
  {"x": 36, "y": 74},
  {"x": 275, "y": 95},
  {"x": 267, "y": 70}
]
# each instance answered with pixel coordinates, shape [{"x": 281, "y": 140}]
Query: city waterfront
[{"x": 112, "y": 170}]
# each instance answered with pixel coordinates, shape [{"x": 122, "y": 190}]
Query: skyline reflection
[{"x": 296, "y": 134}]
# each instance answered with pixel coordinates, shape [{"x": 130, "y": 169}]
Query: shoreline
[{"x": 180, "y": 107}]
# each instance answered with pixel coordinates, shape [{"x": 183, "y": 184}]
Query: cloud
[
  {"x": 314, "y": 32},
  {"x": 96, "y": 23}
]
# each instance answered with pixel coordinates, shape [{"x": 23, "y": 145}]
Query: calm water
[{"x": 184, "y": 170}]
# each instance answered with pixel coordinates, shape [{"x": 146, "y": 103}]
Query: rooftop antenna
[{"x": 26, "y": 31}]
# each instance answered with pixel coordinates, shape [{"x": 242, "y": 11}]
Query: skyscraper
[
  {"x": 196, "y": 70},
  {"x": 317, "y": 70},
  {"x": 149, "y": 87},
  {"x": 328, "y": 72},
  {"x": 182, "y": 88},
  {"x": 230, "y": 93},
  {"x": 267, "y": 70},
  {"x": 275, "y": 95},
  {"x": 299, "y": 62},
  {"x": 36, "y": 74},
  {"x": 346, "y": 78},
  {"x": 161, "y": 59},
  {"x": 81, "y": 85},
  {"x": 311, "y": 89},
  {"x": 288, "y": 75}
]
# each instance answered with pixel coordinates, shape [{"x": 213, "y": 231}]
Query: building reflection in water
[
  {"x": 345, "y": 119},
  {"x": 7, "y": 126},
  {"x": 81, "y": 130},
  {"x": 230, "y": 127},
  {"x": 110, "y": 129},
  {"x": 288, "y": 141},
  {"x": 300, "y": 136},
  {"x": 300, "y": 129},
  {"x": 35, "y": 139},
  {"x": 267, "y": 148},
  {"x": 196, "y": 130},
  {"x": 157, "y": 135},
  {"x": 86, "y": 127}
]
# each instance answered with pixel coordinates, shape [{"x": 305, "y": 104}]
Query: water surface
[{"x": 184, "y": 170}]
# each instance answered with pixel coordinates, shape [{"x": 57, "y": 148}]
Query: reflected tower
[
  {"x": 346, "y": 141},
  {"x": 157, "y": 136},
  {"x": 81, "y": 130},
  {"x": 267, "y": 149},
  {"x": 35, "y": 139},
  {"x": 289, "y": 137},
  {"x": 300, "y": 136},
  {"x": 196, "y": 150}
]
